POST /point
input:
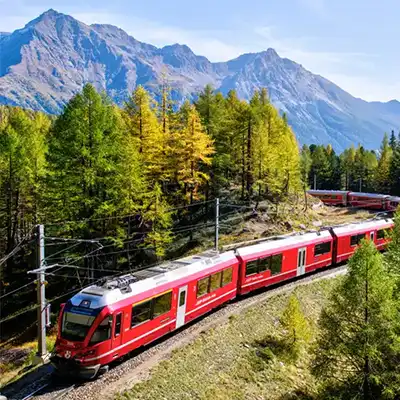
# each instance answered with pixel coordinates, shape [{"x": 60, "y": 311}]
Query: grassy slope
[{"x": 226, "y": 363}]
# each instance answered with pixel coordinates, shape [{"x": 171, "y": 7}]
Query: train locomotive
[{"x": 108, "y": 320}]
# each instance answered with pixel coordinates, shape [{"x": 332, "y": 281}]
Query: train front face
[{"x": 84, "y": 334}]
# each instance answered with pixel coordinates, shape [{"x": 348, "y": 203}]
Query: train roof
[
  {"x": 285, "y": 242},
  {"x": 394, "y": 198},
  {"x": 112, "y": 290},
  {"x": 362, "y": 226},
  {"x": 327, "y": 192},
  {"x": 371, "y": 195}
]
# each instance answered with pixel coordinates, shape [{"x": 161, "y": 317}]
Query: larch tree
[
  {"x": 358, "y": 347},
  {"x": 297, "y": 328},
  {"x": 383, "y": 171},
  {"x": 141, "y": 120},
  {"x": 194, "y": 149}
]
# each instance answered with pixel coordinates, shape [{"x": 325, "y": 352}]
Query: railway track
[
  {"x": 49, "y": 389},
  {"x": 124, "y": 372}
]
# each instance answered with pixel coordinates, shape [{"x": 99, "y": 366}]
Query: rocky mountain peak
[{"x": 45, "y": 63}]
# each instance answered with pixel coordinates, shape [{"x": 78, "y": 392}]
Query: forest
[
  {"x": 356, "y": 169},
  {"x": 130, "y": 181}
]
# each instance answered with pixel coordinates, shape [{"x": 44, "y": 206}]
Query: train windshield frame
[{"x": 77, "y": 321}]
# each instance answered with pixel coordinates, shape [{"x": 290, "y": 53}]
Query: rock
[
  {"x": 317, "y": 223},
  {"x": 288, "y": 225},
  {"x": 303, "y": 227},
  {"x": 3, "y": 397}
]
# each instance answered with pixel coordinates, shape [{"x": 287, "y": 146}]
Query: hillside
[
  {"x": 49, "y": 60},
  {"x": 229, "y": 361}
]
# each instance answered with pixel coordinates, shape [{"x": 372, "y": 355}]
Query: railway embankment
[{"x": 232, "y": 360}]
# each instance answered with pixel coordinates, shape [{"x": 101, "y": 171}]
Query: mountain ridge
[{"x": 43, "y": 64}]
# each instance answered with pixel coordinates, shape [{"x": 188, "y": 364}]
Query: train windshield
[{"x": 76, "y": 326}]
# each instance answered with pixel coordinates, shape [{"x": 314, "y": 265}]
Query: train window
[
  {"x": 381, "y": 234},
  {"x": 103, "y": 331},
  {"x": 162, "y": 304},
  {"x": 251, "y": 267},
  {"x": 202, "y": 286},
  {"x": 276, "y": 264},
  {"x": 226, "y": 276},
  {"x": 141, "y": 313},
  {"x": 264, "y": 264},
  {"x": 322, "y": 248},
  {"x": 118, "y": 320},
  {"x": 215, "y": 281},
  {"x": 356, "y": 239},
  {"x": 182, "y": 298}
]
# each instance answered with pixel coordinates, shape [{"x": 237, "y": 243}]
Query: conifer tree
[
  {"x": 297, "y": 329},
  {"x": 23, "y": 136},
  {"x": 394, "y": 171},
  {"x": 142, "y": 123},
  {"x": 82, "y": 157},
  {"x": 320, "y": 167},
  {"x": 193, "y": 150},
  {"x": 384, "y": 168},
  {"x": 357, "y": 347},
  {"x": 393, "y": 140},
  {"x": 347, "y": 162}
]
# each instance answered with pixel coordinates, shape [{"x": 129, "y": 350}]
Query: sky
[{"x": 353, "y": 43}]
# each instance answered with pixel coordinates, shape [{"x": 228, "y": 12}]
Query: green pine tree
[{"x": 358, "y": 345}]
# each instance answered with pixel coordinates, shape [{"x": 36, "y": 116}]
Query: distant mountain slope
[{"x": 45, "y": 63}]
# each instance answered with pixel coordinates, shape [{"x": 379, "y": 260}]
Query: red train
[
  {"x": 106, "y": 321},
  {"x": 356, "y": 199}
]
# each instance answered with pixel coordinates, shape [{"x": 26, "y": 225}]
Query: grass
[
  {"x": 17, "y": 361},
  {"x": 242, "y": 359}
]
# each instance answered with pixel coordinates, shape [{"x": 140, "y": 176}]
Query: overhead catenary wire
[
  {"x": 124, "y": 216},
  {"x": 16, "y": 248},
  {"x": 16, "y": 290}
]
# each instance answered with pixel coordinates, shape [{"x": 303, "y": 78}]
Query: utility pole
[
  {"x": 315, "y": 181},
  {"x": 216, "y": 223},
  {"x": 41, "y": 355}
]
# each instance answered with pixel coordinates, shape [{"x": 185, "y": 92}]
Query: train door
[
  {"x": 372, "y": 236},
  {"x": 301, "y": 261},
  {"x": 181, "y": 308},
  {"x": 118, "y": 328}
]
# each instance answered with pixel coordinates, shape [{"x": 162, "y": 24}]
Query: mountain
[{"x": 45, "y": 63}]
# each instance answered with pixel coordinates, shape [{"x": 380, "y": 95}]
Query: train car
[
  {"x": 104, "y": 322},
  {"x": 330, "y": 197},
  {"x": 368, "y": 200},
  {"x": 278, "y": 260},
  {"x": 393, "y": 203},
  {"x": 348, "y": 237}
]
